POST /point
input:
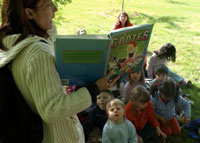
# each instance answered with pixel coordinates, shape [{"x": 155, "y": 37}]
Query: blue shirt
[
  {"x": 167, "y": 110},
  {"x": 123, "y": 132}
]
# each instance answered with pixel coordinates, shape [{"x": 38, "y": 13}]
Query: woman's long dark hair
[
  {"x": 118, "y": 18},
  {"x": 15, "y": 21}
]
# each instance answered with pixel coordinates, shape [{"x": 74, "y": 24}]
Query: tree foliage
[
  {"x": 62, "y": 2},
  {"x": 59, "y": 4}
]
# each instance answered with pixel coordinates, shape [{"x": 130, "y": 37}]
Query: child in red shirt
[
  {"x": 140, "y": 112},
  {"x": 122, "y": 21}
]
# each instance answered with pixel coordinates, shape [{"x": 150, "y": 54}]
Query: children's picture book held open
[
  {"x": 128, "y": 48},
  {"x": 82, "y": 59}
]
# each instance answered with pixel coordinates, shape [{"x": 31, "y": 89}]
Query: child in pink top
[{"x": 165, "y": 54}]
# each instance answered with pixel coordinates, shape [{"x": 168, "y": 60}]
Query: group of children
[
  {"x": 144, "y": 114},
  {"x": 137, "y": 110}
]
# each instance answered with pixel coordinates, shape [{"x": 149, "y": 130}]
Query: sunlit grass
[{"x": 175, "y": 21}]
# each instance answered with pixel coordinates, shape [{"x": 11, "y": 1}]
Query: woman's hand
[{"x": 104, "y": 82}]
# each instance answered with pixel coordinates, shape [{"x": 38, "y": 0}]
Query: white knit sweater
[{"x": 35, "y": 74}]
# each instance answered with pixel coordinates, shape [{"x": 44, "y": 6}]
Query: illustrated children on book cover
[{"x": 128, "y": 48}]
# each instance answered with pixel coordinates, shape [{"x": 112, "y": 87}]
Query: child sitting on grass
[
  {"x": 161, "y": 73},
  {"x": 122, "y": 21},
  {"x": 96, "y": 118},
  {"x": 164, "y": 104},
  {"x": 134, "y": 79},
  {"x": 140, "y": 112},
  {"x": 118, "y": 129},
  {"x": 166, "y": 53}
]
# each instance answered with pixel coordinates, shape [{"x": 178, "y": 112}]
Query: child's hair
[
  {"x": 123, "y": 13},
  {"x": 140, "y": 94},
  {"x": 169, "y": 51},
  {"x": 169, "y": 88},
  {"x": 113, "y": 102},
  {"x": 160, "y": 69},
  {"x": 107, "y": 91},
  {"x": 141, "y": 80}
]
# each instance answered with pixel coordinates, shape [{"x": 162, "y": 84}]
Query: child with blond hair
[
  {"x": 118, "y": 129},
  {"x": 140, "y": 112}
]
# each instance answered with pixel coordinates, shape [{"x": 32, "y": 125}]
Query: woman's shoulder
[
  {"x": 30, "y": 41},
  {"x": 40, "y": 45}
]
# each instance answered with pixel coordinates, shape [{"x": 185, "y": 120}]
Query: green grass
[{"x": 175, "y": 21}]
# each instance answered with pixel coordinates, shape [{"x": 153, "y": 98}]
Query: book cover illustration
[
  {"x": 81, "y": 59},
  {"x": 128, "y": 49}
]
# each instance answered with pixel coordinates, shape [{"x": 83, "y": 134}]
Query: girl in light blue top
[
  {"x": 164, "y": 104},
  {"x": 118, "y": 129}
]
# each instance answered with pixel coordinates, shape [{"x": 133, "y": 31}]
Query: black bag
[{"x": 18, "y": 123}]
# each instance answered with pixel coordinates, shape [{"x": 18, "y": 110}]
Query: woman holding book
[{"x": 24, "y": 45}]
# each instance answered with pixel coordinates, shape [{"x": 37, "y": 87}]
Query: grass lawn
[{"x": 175, "y": 21}]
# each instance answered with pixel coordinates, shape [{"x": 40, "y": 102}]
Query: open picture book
[{"x": 82, "y": 59}]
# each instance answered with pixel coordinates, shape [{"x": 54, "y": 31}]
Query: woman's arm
[{"x": 45, "y": 88}]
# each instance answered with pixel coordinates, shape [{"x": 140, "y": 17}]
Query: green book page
[{"x": 81, "y": 56}]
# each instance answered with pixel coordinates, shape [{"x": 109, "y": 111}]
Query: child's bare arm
[
  {"x": 160, "y": 133},
  {"x": 140, "y": 140}
]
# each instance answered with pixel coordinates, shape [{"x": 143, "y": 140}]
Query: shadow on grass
[
  {"x": 194, "y": 92},
  {"x": 183, "y": 137},
  {"x": 176, "y": 2},
  {"x": 169, "y": 20}
]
